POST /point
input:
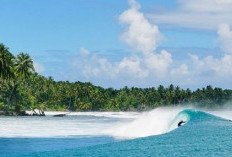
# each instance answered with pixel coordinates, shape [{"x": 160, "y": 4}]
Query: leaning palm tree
[
  {"x": 23, "y": 67},
  {"x": 6, "y": 63},
  {"x": 6, "y": 69}
]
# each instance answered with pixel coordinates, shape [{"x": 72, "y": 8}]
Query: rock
[
  {"x": 41, "y": 113},
  {"x": 2, "y": 113},
  {"x": 59, "y": 115},
  {"x": 23, "y": 113}
]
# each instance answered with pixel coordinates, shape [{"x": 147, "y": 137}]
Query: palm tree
[
  {"x": 23, "y": 67},
  {"x": 6, "y": 68},
  {"x": 6, "y": 63}
]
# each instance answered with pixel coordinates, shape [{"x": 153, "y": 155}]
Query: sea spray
[
  {"x": 225, "y": 114},
  {"x": 155, "y": 122}
]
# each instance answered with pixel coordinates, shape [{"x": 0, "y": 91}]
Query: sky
[{"x": 117, "y": 43}]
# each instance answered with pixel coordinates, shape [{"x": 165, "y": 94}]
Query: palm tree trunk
[
  {"x": 70, "y": 102},
  {"x": 11, "y": 94}
]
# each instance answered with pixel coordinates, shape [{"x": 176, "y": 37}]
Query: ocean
[{"x": 154, "y": 133}]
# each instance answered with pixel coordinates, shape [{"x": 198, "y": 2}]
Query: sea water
[{"x": 154, "y": 133}]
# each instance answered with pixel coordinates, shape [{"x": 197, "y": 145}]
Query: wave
[
  {"x": 163, "y": 120},
  {"x": 122, "y": 125},
  {"x": 203, "y": 131}
]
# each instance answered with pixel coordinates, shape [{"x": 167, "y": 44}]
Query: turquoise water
[{"x": 203, "y": 135}]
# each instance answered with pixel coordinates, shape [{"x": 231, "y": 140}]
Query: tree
[
  {"x": 6, "y": 63},
  {"x": 6, "y": 72},
  {"x": 23, "y": 67}
]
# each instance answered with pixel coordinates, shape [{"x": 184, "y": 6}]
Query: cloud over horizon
[
  {"x": 143, "y": 63},
  {"x": 146, "y": 66}
]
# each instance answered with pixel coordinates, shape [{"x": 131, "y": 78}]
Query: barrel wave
[
  {"x": 159, "y": 121},
  {"x": 156, "y": 122}
]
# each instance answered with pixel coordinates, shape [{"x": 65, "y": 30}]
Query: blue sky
[{"x": 99, "y": 40}]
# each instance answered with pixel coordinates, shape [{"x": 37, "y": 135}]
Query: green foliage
[
  {"x": 21, "y": 88},
  {"x": 45, "y": 93},
  {"x": 6, "y": 62}
]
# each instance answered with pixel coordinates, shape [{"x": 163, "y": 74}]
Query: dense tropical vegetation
[{"x": 21, "y": 88}]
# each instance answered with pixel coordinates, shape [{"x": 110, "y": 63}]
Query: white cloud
[
  {"x": 225, "y": 37},
  {"x": 132, "y": 67},
  {"x": 39, "y": 68},
  {"x": 92, "y": 66},
  {"x": 218, "y": 67},
  {"x": 158, "y": 63},
  {"x": 143, "y": 37},
  {"x": 180, "y": 71},
  {"x": 139, "y": 33},
  {"x": 84, "y": 51},
  {"x": 147, "y": 66},
  {"x": 212, "y": 6},
  {"x": 197, "y": 14}
]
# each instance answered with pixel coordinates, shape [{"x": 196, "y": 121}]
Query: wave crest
[{"x": 155, "y": 122}]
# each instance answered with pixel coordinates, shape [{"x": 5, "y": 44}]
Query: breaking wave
[{"x": 122, "y": 125}]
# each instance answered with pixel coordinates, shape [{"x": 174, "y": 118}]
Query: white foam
[
  {"x": 97, "y": 114},
  {"x": 155, "y": 122},
  {"x": 116, "y": 124},
  {"x": 75, "y": 124}
]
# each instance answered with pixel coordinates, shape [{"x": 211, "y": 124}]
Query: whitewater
[{"x": 119, "y": 125}]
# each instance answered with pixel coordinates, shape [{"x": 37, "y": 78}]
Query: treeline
[{"x": 23, "y": 89}]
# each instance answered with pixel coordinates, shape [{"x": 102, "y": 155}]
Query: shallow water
[{"x": 119, "y": 134}]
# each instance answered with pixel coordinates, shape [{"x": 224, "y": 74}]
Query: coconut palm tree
[
  {"x": 23, "y": 67},
  {"x": 6, "y": 63}
]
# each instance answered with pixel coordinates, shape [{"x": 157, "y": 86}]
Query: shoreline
[{"x": 76, "y": 113}]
